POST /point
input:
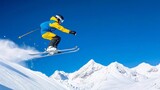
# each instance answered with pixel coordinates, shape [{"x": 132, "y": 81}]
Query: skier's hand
[{"x": 72, "y": 32}]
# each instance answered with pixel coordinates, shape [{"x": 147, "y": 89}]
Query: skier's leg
[
  {"x": 58, "y": 41},
  {"x": 48, "y": 35},
  {"x": 55, "y": 41}
]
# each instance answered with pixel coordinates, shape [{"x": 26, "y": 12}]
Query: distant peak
[
  {"x": 60, "y": 75},
  {"x": 115, "y": 64},
  {"x": 87, "y": 70},
  {"x": 143, "y": 64},
  {"x": 117, "y": 67},
  {"x": 91, "y": 62}
]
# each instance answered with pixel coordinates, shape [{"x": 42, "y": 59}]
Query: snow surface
[
  {"x": 91, "y": 76},
  {"x": 16, "y": 77}
]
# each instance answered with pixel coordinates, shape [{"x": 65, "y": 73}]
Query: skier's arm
[{"x": 59, "y": 27}]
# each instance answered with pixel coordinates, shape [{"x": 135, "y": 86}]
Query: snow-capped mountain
[
  {"x": 148, "y": 70},
  {"x": 115, "y": 76}
]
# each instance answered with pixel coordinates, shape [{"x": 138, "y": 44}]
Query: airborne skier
[{"x": 47, "y": 29}]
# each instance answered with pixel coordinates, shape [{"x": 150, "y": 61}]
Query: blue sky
[{"x": 126, "y": 31}]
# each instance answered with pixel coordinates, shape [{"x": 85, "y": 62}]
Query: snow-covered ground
[
  {"x": 91, "y": 76},
  {"x": 16, "y": 77}
]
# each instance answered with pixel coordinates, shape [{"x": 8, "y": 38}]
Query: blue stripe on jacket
[{"x": 45, "y": 26}]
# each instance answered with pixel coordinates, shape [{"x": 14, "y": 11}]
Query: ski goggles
[{"x": 60, "y": 19}]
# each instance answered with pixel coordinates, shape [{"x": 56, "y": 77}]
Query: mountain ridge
[{"x": 92, "y": 75}]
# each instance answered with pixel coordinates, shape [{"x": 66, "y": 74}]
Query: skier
[{"x": 47, "y": 29}]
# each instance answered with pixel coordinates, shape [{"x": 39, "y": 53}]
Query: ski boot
[{"x": 51, "y": 50}]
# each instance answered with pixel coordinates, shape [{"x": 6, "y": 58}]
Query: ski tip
[{"x": 78, "y": 49}]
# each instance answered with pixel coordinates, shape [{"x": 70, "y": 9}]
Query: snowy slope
[
  {"x": 148, "y": 70},
  {"x": 16, "y": 77},
  {"x": 94, "y": 76}
]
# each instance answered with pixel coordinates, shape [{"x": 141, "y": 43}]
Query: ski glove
[{"x": 72, "y": 32}]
